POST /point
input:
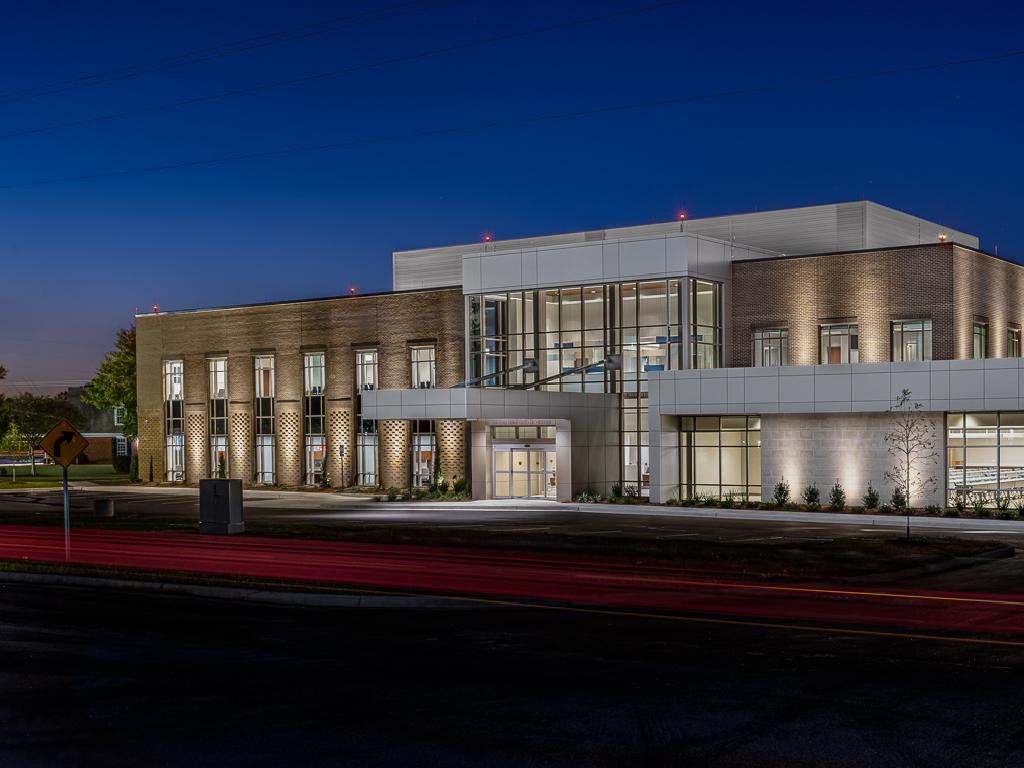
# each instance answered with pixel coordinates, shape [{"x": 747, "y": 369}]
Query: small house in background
[{"x": 102, "y": 429}]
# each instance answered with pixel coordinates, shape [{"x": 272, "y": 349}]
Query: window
[
  {"x": 366, "y": 452},
  {"x": 265, "y": 458},
  {"x": 121, "y": 446},
  {"x": 422, "y": 367},
  {"x": 119, "y": 415},
  {"x": 839, "y": 344},
  {"x": 1013, "y": 342},
  {"x": 720, "y": 455},
  {"x": 366, "y": 369},
  {"x": 218, "y": 406},
  {"x": 424, "y": 444},
  {"x": 174, "y": 421},
  {"x": 771, "y": 347},
  {"x": 314, "y": 416},
  {"x": 980, "y": 338},
  {"x": 705, "y": 324},
  {"x": 985, "y": 457},
  {"x": 911, "y": 341}
]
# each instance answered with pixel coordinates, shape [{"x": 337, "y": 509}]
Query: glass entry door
[{"x": 522, "y": 472}]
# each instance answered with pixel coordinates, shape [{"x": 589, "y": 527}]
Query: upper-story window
[
  {"x": 771, "y": 347},
  {"x": 705, "y": 324},
  {"x": 174, "y": 420},
  {"x": 911, "y": 341},
  {"x": 839, "y": 344},
  {"x": 366, "y": 369},
  {"x": 422, "y": 367},
  {"x": 119, "y": 415},
  {"x": 265, "y": 449},
  {"x": 980, "y": 340},
  {"x": 1013, "y": 342},
  {"x": 218, "y": 370}
]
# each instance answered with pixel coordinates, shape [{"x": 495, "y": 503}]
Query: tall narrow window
[
  {"x": 1013, "y": 342},
  {"x": 839, "y": 344},
  {"x": 313, "y": 408},
  {"x": 705, "y": 324},
  {"x": 218, "y": 417},
  {"x": 174, "y": 421},
  {"x": 980, "y": 339},
  {"x": 422, "y": 367},
  {"x": 771, "y": 347},
  {"x": 423, "y": 448},
  {"x": 366, "y": 452},
  {"x": 265, "y": 419},
  {"x": 911, "y": 341},
  {"x": 121, "y": 445},
  {"x": 366, "y": 369},
  {"x": 119, "y": 415}
]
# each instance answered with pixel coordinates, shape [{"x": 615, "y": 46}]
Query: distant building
[
  {"x": 101, "y": 428},
  {"x": 709, "y": 356}
]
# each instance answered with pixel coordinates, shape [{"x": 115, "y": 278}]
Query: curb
[
  {"x": 928, "y": 569},
  {"x": 263, "y": 596}
]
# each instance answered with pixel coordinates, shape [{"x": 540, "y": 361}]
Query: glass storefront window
[
  {"x": 985, "y": 456},
  {"x": 720, "y": 455}
]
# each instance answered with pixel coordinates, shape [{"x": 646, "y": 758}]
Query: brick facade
[
  {"x": 390, "y": 323},
  {"x": 871, "y": 288}
]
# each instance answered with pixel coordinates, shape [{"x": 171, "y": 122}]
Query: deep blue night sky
[{"x": 943, "y": 144}]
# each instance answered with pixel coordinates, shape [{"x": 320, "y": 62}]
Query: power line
[
  {"x": 549, "y": 117},
  {"x": 213, "y": 52},
  {"x": 480, "y": 42}
]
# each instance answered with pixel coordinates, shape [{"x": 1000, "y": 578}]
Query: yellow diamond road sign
[{"x": 63, "y": 443}]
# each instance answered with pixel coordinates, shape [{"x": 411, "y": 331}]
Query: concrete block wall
[{"x": 819, "y": 449}]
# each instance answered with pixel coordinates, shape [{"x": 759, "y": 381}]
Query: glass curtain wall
[
  {"x": 314, "y": 417},
  {"x": 218, "y": 417},
  {"x": 367, "y": 378},
  {"x": 265, "y": 458},
  {"x": 655, "y": 325},
  {"x": 985, "y": 456},
  {"x": 174, "y": 421},
  {"x": 720, "y": 455}
]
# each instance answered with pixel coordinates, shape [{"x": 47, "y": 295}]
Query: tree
[
  {"x": 911, "y": 442},
  {"x": 13, "y": 442},
  {"x": 35, "y": 415},
  {"x": 4, "y": 418},
  {"x": 113, "y": 385}
]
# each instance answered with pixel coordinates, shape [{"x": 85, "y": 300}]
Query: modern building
[{"x": 711, "y": 356}]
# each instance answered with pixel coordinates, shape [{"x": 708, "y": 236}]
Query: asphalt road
[
  {"x": 121, "y": 679},
  {"x": 335, "y": 511}
]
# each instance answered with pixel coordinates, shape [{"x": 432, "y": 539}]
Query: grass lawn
[{"x": 50, "y": 475}]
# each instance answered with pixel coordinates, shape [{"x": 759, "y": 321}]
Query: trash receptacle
[
  {"x": 103, "y": 508},
  {"x": 220, "y": 507}
]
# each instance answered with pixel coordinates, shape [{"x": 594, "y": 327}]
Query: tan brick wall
[
  {"x": 395, "y": 468},
  {"x": 390, "y": 322},
  {"x": 451, "y": 444},
  {"x": 872, "y": 288},
  {"x": 987, "y": 288}
]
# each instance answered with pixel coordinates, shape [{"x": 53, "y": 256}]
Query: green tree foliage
[
  {"x": 35, "y": 415},
  {"x": 13, "y": 441},
  {"x": 114, "y": 383},
  {"x": 4, "y": 416}
]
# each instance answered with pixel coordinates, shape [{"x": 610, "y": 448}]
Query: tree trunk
[{"x": 32, "y": 453}]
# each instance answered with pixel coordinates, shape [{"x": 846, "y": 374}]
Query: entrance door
[{"x": 522, "y": 472}]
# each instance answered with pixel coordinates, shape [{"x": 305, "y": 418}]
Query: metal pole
[{"x": 67, "y": 519}]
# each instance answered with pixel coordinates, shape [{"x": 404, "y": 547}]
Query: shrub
[
  {"x": 857, "y": 510},
  {"x": 1005, "y": 514},
  {"x": 951, "y": 512},
  {"x": 728, "y": 500},
  {"x": 133, "y": 469},
  {"x": 393, "y": 492},
  {"x": 885, "y": 509},
  {"x": 122, "y": 464},
  {"x": 978, "y": 505},
  {"x": 960, "y": 504},
  {"x": 780, "y": 495},
  {"x": 325, "y": 477},
  {"x": 616, "y": 491},
  {"x": 837, "y": 497},
  {"x": 811, "y": 496},
  {"x": 585, "y": 497},
  {"x": 1002, "y": 503},
  {"x": 932, "y": 509},
  {"x": 899, "y": 499},
  {"x": 871, "y": 498},
  {"x": 459, "y": 486},
  {"x": 1018, "y": 507}
]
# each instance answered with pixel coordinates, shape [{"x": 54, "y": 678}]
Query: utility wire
[
  {"x": 215, "y": 52},
  {"x": 347, "y": 70},
  {"x": 534, "y": 119}
]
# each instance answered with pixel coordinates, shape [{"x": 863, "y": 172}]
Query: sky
[{"x": 79, "y": 258}]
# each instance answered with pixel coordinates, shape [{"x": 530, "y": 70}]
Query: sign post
[{"x": 64, "y": 444}]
